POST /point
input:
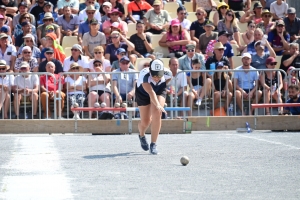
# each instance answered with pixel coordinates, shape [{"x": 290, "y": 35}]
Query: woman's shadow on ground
[{"x": 127, "y": 154}]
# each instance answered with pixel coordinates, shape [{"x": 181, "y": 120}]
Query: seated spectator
[
  {"x": 29, "y": 41},
  {"x": 279, "y": 9},
  {"x": 272, "y": 84},
  {"x": 258, "y": 36},
  {"x": 107, "y": 7},
  {"x": 50, "y": 91},
  {"x": 10, "y": 6},
  {"x": 84, "y": 27},
  {"x": 92, "y": 39},
  {"x": 75, "y": 85},
  {"x": 253, "y": 15},
  {"x": 279, "y": 38},
  {"x": 206, "y": 37},
  {"x": 89, "y": 13},
  {"x": 292, "y": 24},
  {"x": 259, "y": 59},
  {"x": 83, "y": 6},
  {"x": 2, "y": 24},
  {"x": 47, "y": 9},
  {"x": 248, "y": 35},
  {"x": 294, "y": 96},
  {"x": 114, "y": 27},
  {"x": 26, "y": 56},
  {"x": 200, "y": 85},
  {"x": 26, "y": 29},
  {"x": 18, "y": 28},
  {"x": 6, "y": 84},
  {"x": 76, "y": 56},
  {"x": 185, "y": 62},
  {"x": 221, "y": 13},
  {"x": 123, "y": 84},
  {"x": 38, "y": 8},
  {"x": 7, "y": 20},
  {"x": 99, "y": 55},
  {"x": 22, "y": 8},
  {"x": 246, "y": 84},
  {"x": 26, "y": 88},
  {"x": 228, "y": 51},
  {"x": 156, "y": 19},
  {"x": 120, "y": 53},
  {"x": 266, "y": 25},
  {"x": 197, "y": 27},
  {"x": 142, "y": 42},
  {"x": 68, "y": 23},
  {"x": 58, "y": 50},
  {"x": 175, "y": 39},
  {"x": 290, "y": 59},
  {"x": 208, "y": 6},
  {"x": 181, "y": 16},
  {"x": 292, "y": 77},
  {"x": 99, "y": 86},
  {"x": 178, "y": 84},
  {"x": 229, "y": 24},
  {"x": 240, "y": 5},
  {"x": 110, "y": 51},
  {"x": 41, "y": 30},
  {"x": 222, "y": 86},
  {"x": 49, "y": 53},
  {"x": 136, "y": 10},
  {"x": 114, "y": 16},
  {"x": 73, "y": 4},
  {"x": 8, "y": 52},
  {"x": 267, "y": 3},
  {"x": 4, "y": 29}
]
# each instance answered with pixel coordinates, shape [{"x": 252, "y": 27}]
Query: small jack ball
[
  {"x": 184, "y": 160},
  {"x": 75, "y": 105},
  {"x": 117, "y": 105},
  {"x": 124, "y": 105},
  {"x": 96, "y": 105},
  {"x": 103, "y": 105}
]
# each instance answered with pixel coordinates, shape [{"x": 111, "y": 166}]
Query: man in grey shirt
[
  {"x": 93, "y": 38},
  {"x": 68, "y": 22}
]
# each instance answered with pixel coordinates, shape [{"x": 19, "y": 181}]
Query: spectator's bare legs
[
  {"x": 17, "y": 100},
  {"x": 228, "y": 98},
  {"x": 278, "y": 99},
  {"x": 267, "y": 98},
  {"x": 217, "y": 98},
  {"x": 156, "y": 119},
  {"x": 184, "y": 100},
  {"x": 4, "y": 102},
  {"x": 238, "y": 97},
  {"x": 34, "y": 99},
  {"x": 61, "y": 108},
  {"x": 205, "y": 90},
  {"x": 92, "y": 97},
  {"x": 132, "y": 59},
  {"x": 105, "y": 97},
  {"x": 256, "y": 99},
  {"x": 190, "y": 102}
]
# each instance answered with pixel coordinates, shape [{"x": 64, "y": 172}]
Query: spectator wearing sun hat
[
  {"x": 76, "y": 56},
  {"x": 29, "y": 40},
  {"x": 8, "y": 52},
  {"x": 84, "y": 14},
  {"x": 41, "y": 30},
  {"x": 114, "y": 16},
  {"x": 85, "y": 4}
]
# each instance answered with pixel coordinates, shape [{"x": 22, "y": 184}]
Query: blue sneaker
[
  {"x": 144, "y": 143},
  {"x": 153, "y": 149}
]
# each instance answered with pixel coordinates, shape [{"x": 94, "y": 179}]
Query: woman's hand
[{"x": 160, "y": 108}]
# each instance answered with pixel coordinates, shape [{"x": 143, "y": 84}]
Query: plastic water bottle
[
  {"x": 273, "y": 89},
  {"x": 248, "y": 127},
  {"x": 230, "y": 109}
]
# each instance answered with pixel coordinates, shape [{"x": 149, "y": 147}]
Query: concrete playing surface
[{"x": 223, "y": 165}]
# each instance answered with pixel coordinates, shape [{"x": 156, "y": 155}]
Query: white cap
[
  {"x": 26, "y": 48},
  {"x": 248, "y": 55},
  {"x": 115, "y": 24},
  {"x": 107, "y": 4},
  {"x": 156, "y": 67}
]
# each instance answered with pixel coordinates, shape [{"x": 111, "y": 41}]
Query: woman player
[{"x": 150, "y": 98}]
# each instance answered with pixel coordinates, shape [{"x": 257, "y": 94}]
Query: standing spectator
[
  {"x": 23, "y": 8},
  {"x": 99, "y": 55},
  {"x": 8, "y": 52},
  {"x": 50, "y": 90},
  {"x": 110, "y": 51},
  {"x": 279, "y": 9},
  {"x": 68, "y": 23},
  {"x": 123, "y": 84},
  {"x": 221, "y": 13},
  {"x": 26, "y": 29},
  {"x": 114, "y": 16},
  {"x": 6, "y": 84},
  {"x": 246, "y": 83},
  {"x": 11, "y": 7},
  {"x": 83, "y": 6},
  {"x": 292, "y": 24},
  {"x": 38, "y": 8},
  {"x": 259, "y": 59},
  {"x": 266, "y": 25},
  {"x": 47, "y": 9},
  {"x": 93, "y": 38},
  {"x": 73, "y": 4},
  {"x": 142, "y": 42},
  {"x": 290, "y": 59},
  {"x": 41, "y": 30},
  {"x": 29, "y": 40},
  {"x": 294, "y": 96},
  {"x": 208, "y": 5},
  {"x": 175, "y": 39},
  {"x": 137, "y": 10},
  {"x": 181, "y": 16},
  {"x": 120, "y": 53},
  {"x": 49, "y": 53},
  {"x": 157, "y": 19},
  {"x": 254, "y": 15},
  {"x": 197, "y": 27},
  {"x": 272, "y": 84},
  {"x": 76, "y": 56},
  {"x": 239, "y": 5},
  {"x": 279, "y": 38},
  {"x": 185, "y": 62},
  {"x": 84, "y": 14},
  {"x": 18, "y": 28},
  {"x": 26, "y": 86},
  {"x": 107, "y": 7},
  {"x": 26, "y": 57},
  {"x": 206, "y": 37}
]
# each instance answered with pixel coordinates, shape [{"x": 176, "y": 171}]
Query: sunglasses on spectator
[
  {"x": 122, "y": 54},
  {"x": 77, "y": 68},
  {"x": 98, "y": 52},
  {"x": 26, "y": 17},
  {"x": 49, "y": 53},
  {"x": 157, "y": 76},
  {"x": 23, "y": 68},
  {"x": 183, "y": 13},
  {"x": 97, "y": 65},
  {"x": 273, "y": 64},
  {"x": 115, "y": 37},
  {"x": 252, "y": 26},
  {"x": 223, "y": 7},
  {"x": 280, "y": 26},
  {"x": 91, "y": 2},
  {"x": 230, "y": 15},
  {"x": 50, "y": 30},
  {"x": 74, "y": 50},
  {"x": 114, "y": 14},
  {"x": 220, "y": 49},
  {"x": 91, "y": 13},
  {"x": 125, "y": 63},
  {"x": 267, "y": 16},
  {"x": 28, "y": 41},
  {"x": 26, "y": 52},
  {"x": 47, "y": 20},
  {"x": 146, "y": 65},
  {"x": 2, "y": 68},
  {"x": 198, "y": 13},
  {"x": 190, "y": 50}
]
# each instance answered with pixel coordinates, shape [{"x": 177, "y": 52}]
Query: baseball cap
[
  {"x": 3, "y": 7},
  {"x": 78, "y": 47},
  {"x": 223, "y": 33},
  {"x": 280, "y": 22},
  {"x": 291, "y": 67},
  {"x": 175, "y": 22},
  {"x": 248, "y": 55},
  {"x": 156, "y": 3},
  {"x": 25, "y": 23},
  {"x": 94, "y": 21},
  {"x": 49, "y": 49},
  {"x": 115, "y": 32},
  {"x": 95, "y": 61},
  {"x": 47, "y": 3},
  {"x": 24, "y": 64},
  {"x": 120, "y": 50},
  {"x": 156, "y": 68},
  {"x": 90, "y": 7},
  {"x": 190, "y": 46},
  {"x": 3, "y": 35},
  {"x": 4, "y": 29},
  {"x": 49, "y": 27},
  {"x": 257, "y": 5},
  {"x": 26, "y": 48},
  {"x": 291, "y": 10},
  {"x": 209, "y": 23},
  {"x": 124, "y": 58},
  {"x": 220, "y": 64},
  {"x": 270, "y": 60},
  {"x": 107, "y": 4},
  {"x": 259, "y": 43},
  {"x": 2, "y": 62},
  {"x": 22, "y": 4}
]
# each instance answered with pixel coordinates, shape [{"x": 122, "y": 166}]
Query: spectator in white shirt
[
  {"x": 76, "y": 56},
  {"x": 181, "y": 16},
  {"x": 279, "y": 9},
  {"x": 6, "y": 83}
]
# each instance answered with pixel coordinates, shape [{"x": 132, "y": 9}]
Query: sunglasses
[
  {"x": 77, "y": 68},
  {"x": 91, "y": 2},
  {"x": 90, "y": 13},
  {"x": 122, "y": 54},
  {"x": 49, "y": 53},
  {"x": 47, "y": 20},
  {"x": 273, "y": 64},
  {"x": 223, "y": 7},
  {"x": 125, "y": 63},
  {"x": 98, "y": 52},
  {"x": 50, "y": 30},
  {"x": 252, "y": 26},
  {"x": 280, "y": 26},
  {"x": 220, "y": 49},
  {"x": 28, "y": 41},
  {"x": 267, "y": 16},
  {"x": 190, "y": 50},
  {"x": 97, "y": 65},
  {"x": 74, "y": 50},
  {"x": 26, "y": 17},
  {"x": 157, "y": 76},
  {"x": 198, "y": 13},
  {"x": 146, "y": 65},
  {"x": 114, "y": 14},
  {"x": 2, "y": 68},
  {"x": 230, "y": 15},
  {"x": 115, "y": 37},
  {"x": 27, "y": 52},
  {"x": 183, "y": 13},
  {"x": 23, "y": 68}
]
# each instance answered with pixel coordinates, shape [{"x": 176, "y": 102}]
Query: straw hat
[
  {"x": 3, "y": 63},
  {"x": 218, "y": 45},
  {"x": 73, "y": 65},
  {"x": 222, "y": 4}
]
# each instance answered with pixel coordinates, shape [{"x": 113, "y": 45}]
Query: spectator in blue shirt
[
  {"x": 258, "y": 36},
  {"x": 294, "y": 98},
  {"x": 279, "y": 38},
  {"x": 47, "y": 8}
]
